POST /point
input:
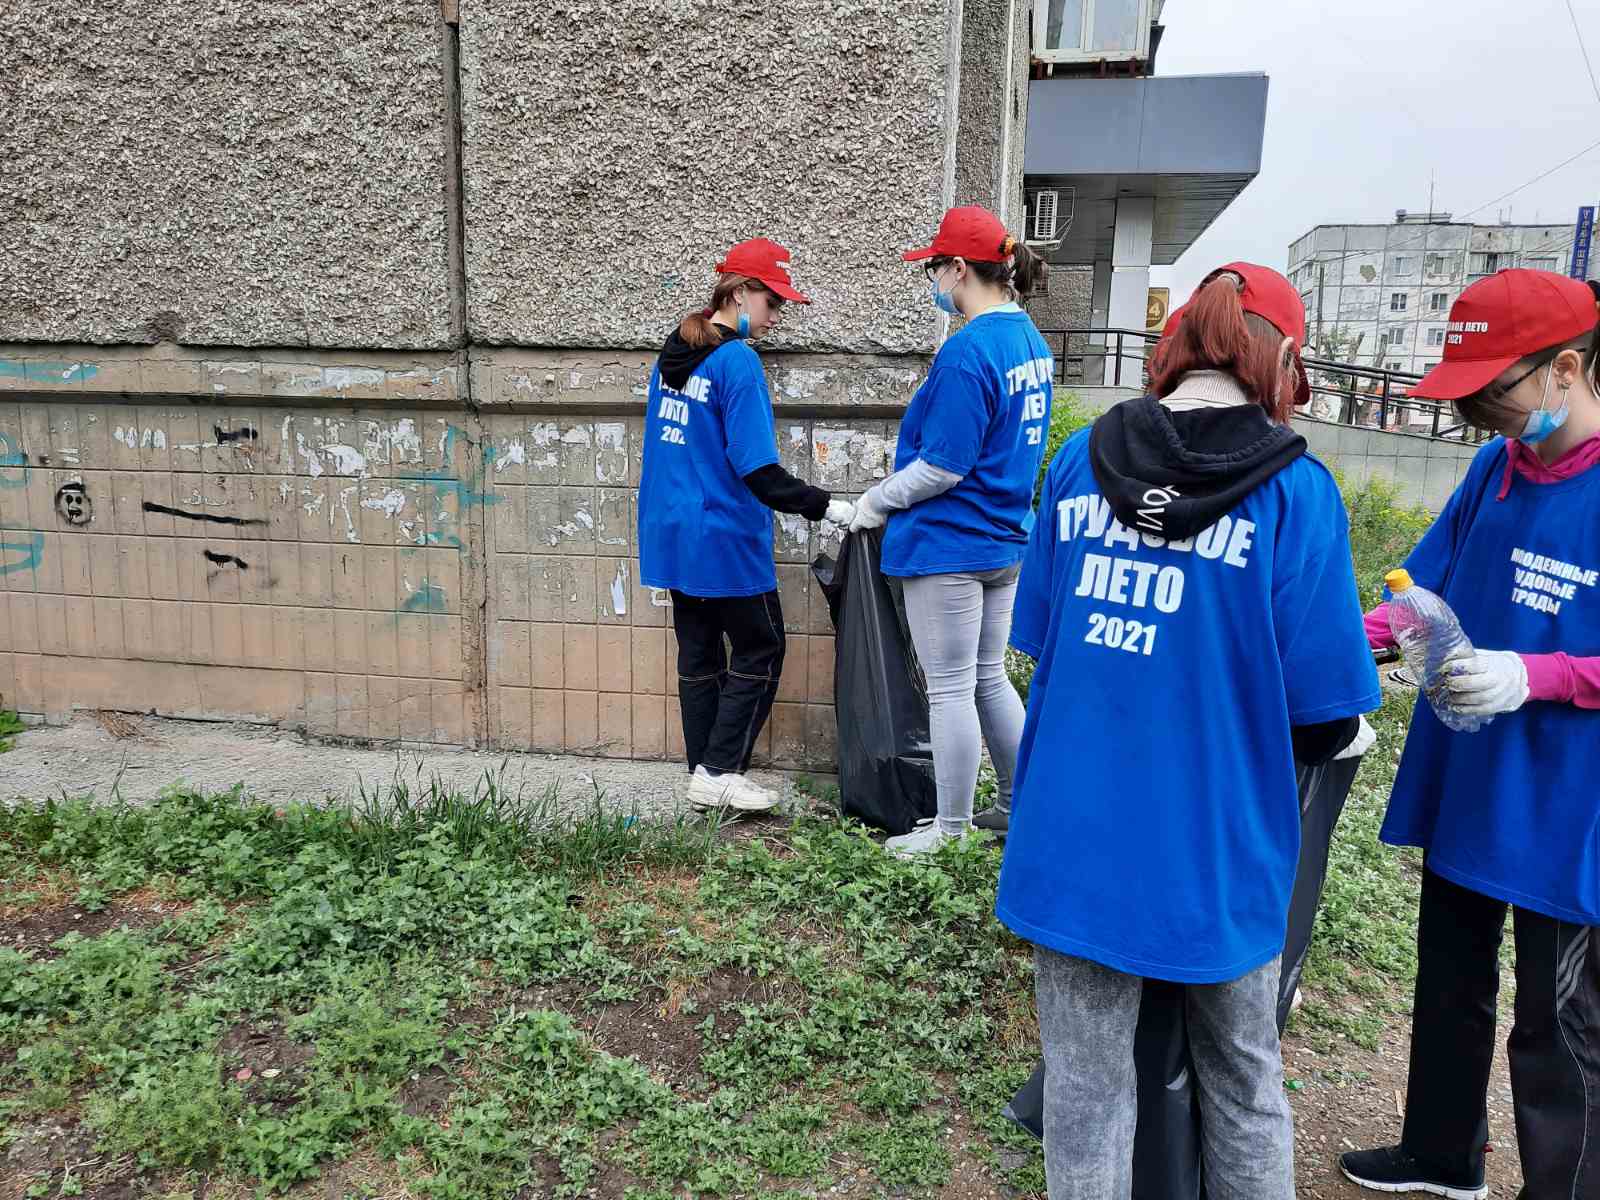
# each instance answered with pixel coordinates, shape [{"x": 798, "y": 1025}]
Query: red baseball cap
[
  {"x": 1502, "y": 319},
  {"x": 969, "y": 232},
  {"x": 1271, "y": 297},
  {"x": 767, "y": 261}
]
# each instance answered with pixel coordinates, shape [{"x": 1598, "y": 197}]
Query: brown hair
[
  {"x": 1022, "y": 272},
  {"x": 1216, "y": 334},
  {"x": 1491, "y": 407},
  {"x": 696, "y": 328}
]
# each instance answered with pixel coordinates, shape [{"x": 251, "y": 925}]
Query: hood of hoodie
[
  {"x": 1173, "y": 474},
  {"x": 679, "y": 358}
]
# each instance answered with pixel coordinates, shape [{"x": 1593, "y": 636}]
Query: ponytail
[
  {"x": 1022, "y": 271},
  {"x": 697, "y": 328},
  {"x": 1029, "y": 271}
]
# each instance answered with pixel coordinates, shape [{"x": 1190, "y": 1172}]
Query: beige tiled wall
[
  {"x": 356, "y": 551},
  {"x": 581, "y": 654},
  {"x": 262, "y": 564}
]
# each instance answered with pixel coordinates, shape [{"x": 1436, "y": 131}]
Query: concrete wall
[
  {"x": 1424, "y": 470},
  {"x": 229, "y": 173},
  {"x": 994, "y": 106},
  {"x": 319, "y": 408}
]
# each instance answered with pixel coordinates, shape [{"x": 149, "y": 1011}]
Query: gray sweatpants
[
  {"x": 1087, "y": 1015},
  {"x": 959, "y": 626}
]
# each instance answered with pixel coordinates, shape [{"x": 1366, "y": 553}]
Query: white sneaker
[
  {"x": 924, "y": 839},
  {"x": 728, "y": 791}
]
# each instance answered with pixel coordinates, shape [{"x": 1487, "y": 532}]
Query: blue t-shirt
[
  {"x": 982, "y": 413},
  {"x": 701, "y": 530},
  {"x": 1156, "y": 822},
  {"x": 1512, "y": 810}
]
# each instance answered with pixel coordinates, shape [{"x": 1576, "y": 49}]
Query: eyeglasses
[
  {"x": 1505, "y": 389},
  {"x": 933, "y": 269}
]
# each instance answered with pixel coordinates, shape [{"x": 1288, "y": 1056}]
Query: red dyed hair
[{"x": 1216, "y": 334}]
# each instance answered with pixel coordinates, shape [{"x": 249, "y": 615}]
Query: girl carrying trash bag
[{"x": 710, "y": 484}]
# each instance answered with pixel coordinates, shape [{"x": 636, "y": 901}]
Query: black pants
[
  {"x": 726, "y": 699},
  {"x": 1554, "y": 1044}
]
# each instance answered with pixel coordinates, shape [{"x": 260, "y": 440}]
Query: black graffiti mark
[
  {"x": 73, "y": 504},
  {"x": 234, "y": 435},
  {"x": 223, "y": 560},
  {"x": 215, "y": 518}
]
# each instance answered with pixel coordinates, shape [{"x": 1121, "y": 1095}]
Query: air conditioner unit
[{"x": 1049, "y": 215}]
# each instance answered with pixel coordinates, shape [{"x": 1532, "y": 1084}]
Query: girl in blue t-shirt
[
  {"x": 1509, "y": 815},
  {"x": 959, "y": 505},
  {"x": 1189, "y": 594},
  {"x": 710, "y": 484}
]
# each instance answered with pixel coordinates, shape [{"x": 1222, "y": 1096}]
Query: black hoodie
[
  {"x": 772, "y": 485},
  {"x": 1173, "y": 474}
]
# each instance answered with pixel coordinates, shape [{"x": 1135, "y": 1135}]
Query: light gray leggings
[{"x": 959, "y": 626}]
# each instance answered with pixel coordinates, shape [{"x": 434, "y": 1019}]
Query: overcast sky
[{"x": 1368, "y": 96}]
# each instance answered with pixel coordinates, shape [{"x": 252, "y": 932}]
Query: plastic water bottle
[{"x": 1430, "y": 638}]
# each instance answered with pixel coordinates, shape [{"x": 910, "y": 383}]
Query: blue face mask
[
  {"x": 944, "y": 301},
  {"x": 1541, "y": 422}
]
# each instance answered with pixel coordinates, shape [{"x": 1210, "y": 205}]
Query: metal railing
[{"x": 1341, "y": 393}]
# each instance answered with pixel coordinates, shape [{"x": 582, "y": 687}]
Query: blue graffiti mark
[
  {"x": 429, "y": 597},
  {"x": 434, "y": 538},
  {"x": 13, "y": 463},
  {"x": 446, "y": 484},
  {"x": 38, "y": 371},
  {"x": 32, "y": 548}
]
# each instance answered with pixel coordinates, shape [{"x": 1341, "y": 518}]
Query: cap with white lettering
[
  {"x": 763, "y": 259},
  {"x": 1501, "y": 320}
]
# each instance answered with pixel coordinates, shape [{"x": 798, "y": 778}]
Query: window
[
  {"x": 1439, "y": 302},
  {"x": 1486, "y": 263},
  {"x": 1396, "y": 335},
  {"x": 1439, "y": 264},
  {"x": 1541, "y": 262},
  {"x": 1397, "y": 302},
  {"x": 1092, "y": 30},
  {"x": 1435, "y": 337},
  {"x": 1394, "y": 366},
  {"x": 1404, "y": 264}
]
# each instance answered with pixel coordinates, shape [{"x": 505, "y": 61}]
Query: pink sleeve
[
  {"x": 1379, "y": 635},
  {"x": 1564, "y": 679}
]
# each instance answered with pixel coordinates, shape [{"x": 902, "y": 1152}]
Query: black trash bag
[
  {"x": 885, "y": 756},
  {"x": 1166, "y": 1144},
  {"x": 1323, "y": 791}
]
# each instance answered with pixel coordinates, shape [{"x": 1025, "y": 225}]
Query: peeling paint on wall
[{"x": 39, "y": 371}]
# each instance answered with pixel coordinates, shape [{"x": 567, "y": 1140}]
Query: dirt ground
[{"x": 1349, "y": 1102}]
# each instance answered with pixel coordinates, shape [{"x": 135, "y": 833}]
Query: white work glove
[
  {"x": 870, "y": 512},
  {"x": 1361, "y": 743},
  {"x": 1488, "y": 683},
  {"x": 840, "y": 512}
]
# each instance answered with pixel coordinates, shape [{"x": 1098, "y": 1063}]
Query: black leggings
[
  {"x": 1554, "y": 1045},
  {"x": 726, "y": 699}
]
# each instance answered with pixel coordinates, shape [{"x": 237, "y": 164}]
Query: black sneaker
[
  {"x": 995, "y": 820},
  {"x": 1392, "y": 1170}
]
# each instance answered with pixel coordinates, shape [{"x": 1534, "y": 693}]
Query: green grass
[
  {"x": 10, "y": 726},
  {"x": 833, "y": 993}
]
